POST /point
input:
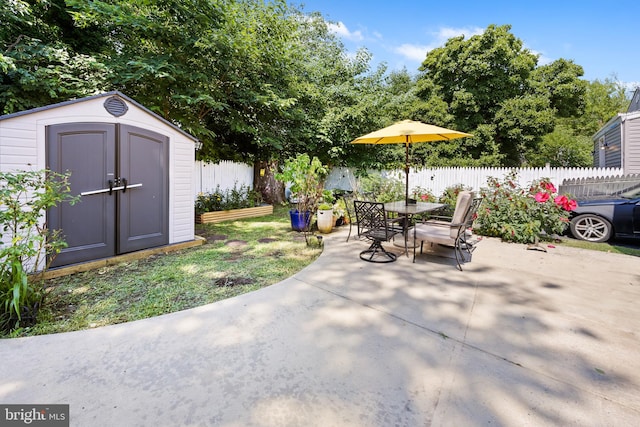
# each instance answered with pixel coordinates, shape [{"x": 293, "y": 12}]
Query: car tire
[{"x": 592, "y": 228}]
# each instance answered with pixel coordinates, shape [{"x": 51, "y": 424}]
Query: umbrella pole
[{"x": 406, "y": 173}]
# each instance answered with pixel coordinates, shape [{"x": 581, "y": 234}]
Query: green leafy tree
[
  {"x": 603, "y": 100},
  {"x": 488, "y": 85},
  {"x": 570, "y": 143},
  {"x": 43, "y": 56},
  {"x": 562, "y": 148}
]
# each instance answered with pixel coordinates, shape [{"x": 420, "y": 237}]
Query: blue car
[{"x": 599, "y": 220}]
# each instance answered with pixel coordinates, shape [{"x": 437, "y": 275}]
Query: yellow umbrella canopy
[{"x": 407, "y": 132}]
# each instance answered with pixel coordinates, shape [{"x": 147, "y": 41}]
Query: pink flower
[
  {"x": 549, "y": 187},
  {"x": 542, "y": 197},
  {"x": 565, "y": 203}
]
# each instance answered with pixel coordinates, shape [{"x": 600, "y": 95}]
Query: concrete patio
[{"x": 520, "y": 337}]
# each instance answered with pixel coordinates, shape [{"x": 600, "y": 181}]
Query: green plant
[
  {"x": 422, "y": 195},
  {"x": 234, "y": 198},
  {"x": 450, "y": 194},
  {"x": 522, "y": 215},
  {"x": 324, "y": 206},
  {"x": 340, "y": 207},
  {"x": 25, "y": 244},
  {"x": 384, "y": 189},
  {"x": 306, "y": 176}
]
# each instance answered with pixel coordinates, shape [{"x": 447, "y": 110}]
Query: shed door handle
[{"x": 111, "y": 189}]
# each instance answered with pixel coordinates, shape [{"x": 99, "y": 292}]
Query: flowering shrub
[
  {"x": 423, "y": 195},
  {"x": 234, "y": 198},
  {"x": 522, "y": 215},
  {"x": 450, "y": 196}
]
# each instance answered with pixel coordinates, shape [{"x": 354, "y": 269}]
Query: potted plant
[
  {"x": 305, "y": 175},
  {"x": 325, "y": 217}
]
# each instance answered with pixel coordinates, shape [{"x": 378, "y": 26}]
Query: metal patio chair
[{"x": 374, "y": 225}]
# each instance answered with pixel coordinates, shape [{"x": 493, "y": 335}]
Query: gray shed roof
[{"x": 101, "y": 95}]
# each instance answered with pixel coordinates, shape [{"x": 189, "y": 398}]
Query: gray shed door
[{"x": 121, "y": 173}]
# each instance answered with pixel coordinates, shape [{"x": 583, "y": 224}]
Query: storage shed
[
  {"x": 617, "y": 143},
  {"x": 132, "y": 169}
]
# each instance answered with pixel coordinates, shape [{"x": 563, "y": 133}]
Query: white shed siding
[
  {"x": 182, "y": 184},
  {"x": 18, "y": 149}
]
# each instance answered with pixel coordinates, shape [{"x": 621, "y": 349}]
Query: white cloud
[
  {"x": 341, "y": 30},
  {"x": 446, "y": 33},
  {"x": 542, "y": 58},
  {"x": 417, "y": 52},
  {"x": 412, "y": 52}
]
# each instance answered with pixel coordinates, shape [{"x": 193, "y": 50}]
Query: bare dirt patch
[
  {"x": 267, "y": 240},
  {"x": 230, "y": 281},
  {"x": 236, "y": 243}
]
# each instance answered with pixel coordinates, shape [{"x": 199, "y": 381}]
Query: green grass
[{"x": 239, "y": 257}]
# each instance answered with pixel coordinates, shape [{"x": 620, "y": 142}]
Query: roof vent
[{"x": 115, "y": 106}]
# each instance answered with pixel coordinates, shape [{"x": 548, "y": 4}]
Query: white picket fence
[
  {"x": 438, "y": 179},
  {"x": 227, "y": 174}
]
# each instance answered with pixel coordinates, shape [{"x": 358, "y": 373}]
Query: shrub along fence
[{"x": 227, "y": 174}]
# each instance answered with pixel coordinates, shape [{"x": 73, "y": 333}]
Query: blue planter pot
[{"x": 299, "y": 220}]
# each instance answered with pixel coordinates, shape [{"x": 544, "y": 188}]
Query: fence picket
[
  {"x": 207, "y": 176},
  {"x": 227, "y": 174}
]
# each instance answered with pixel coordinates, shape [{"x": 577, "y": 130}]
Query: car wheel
[{"x": 592, "y": 228}]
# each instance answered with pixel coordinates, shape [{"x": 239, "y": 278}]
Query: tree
[
  {"x": 562, "y": 148},
  {"x": 43, "y": 57},
  {"x": 570, "y": 143},
  {"x": 489, "y": 86},
  {"x": 603, "y": 100}
]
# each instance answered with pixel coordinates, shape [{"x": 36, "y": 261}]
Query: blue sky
[{"x": 602, "y": 37}]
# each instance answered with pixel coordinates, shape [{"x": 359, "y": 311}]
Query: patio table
[{"x": 409, "y": 210}]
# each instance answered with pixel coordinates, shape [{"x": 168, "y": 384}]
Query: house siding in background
[
  {"x": 617, "y": 143},
  {"x": 631, "y": 136}
]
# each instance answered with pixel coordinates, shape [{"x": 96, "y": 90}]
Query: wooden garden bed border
[{"x": 219, "y": 216}]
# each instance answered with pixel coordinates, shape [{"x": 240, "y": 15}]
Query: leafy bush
[
  {"x": 306, "y": 176},
  {"x": 522, "y": 215},
  {"x": 24, "y": 198},
  {"x": 423, "y": 195},
  {"x": 450, "y": 194},
  {"x": 450, "y": 197},
  {"x": 234, "y": 198},
  {"x": 382, "y": 189}
]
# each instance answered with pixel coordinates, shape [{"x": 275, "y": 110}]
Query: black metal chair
[
  {"x": 374, "y": 225},
  {"x": 455, "y": 234}
]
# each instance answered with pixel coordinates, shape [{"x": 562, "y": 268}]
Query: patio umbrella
[{"x": 407, "y": 132}]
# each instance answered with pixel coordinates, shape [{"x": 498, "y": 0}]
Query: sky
[{"x": 602, "y": 37}]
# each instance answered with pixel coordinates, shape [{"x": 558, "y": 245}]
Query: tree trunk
[{"x": 264, "y": 181}]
